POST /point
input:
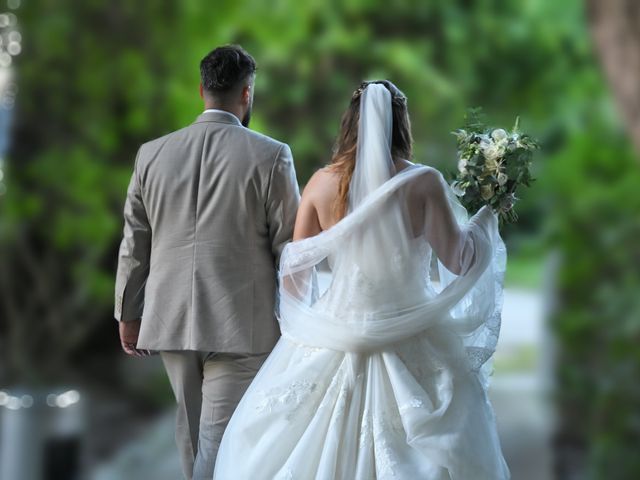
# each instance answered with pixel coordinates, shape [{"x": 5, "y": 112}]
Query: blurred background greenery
[{"x": 97, "y": 78}]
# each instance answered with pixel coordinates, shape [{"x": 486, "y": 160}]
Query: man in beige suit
[{"x": 208, "y": 212}]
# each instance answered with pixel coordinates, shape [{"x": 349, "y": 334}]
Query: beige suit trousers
[{"x": 207, "y": 387}]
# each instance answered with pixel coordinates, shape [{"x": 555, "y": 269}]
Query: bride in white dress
[{"x": 389, "y": 306}]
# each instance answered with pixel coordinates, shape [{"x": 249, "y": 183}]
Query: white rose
[
  {"x": 502, "y": 178},
  {"x": 499, "y": 134},
  {"x": 495, "y": 152},
  {"x": 462, "y": 165}
]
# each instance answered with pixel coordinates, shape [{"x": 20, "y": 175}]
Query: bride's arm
[
  {"x": 453, "y": 245},
  {"x": 307, "y": 223},
  {"x": 317, "y": 194}
]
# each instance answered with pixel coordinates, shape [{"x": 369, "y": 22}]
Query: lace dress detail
[
  {"x": 387, "y": 429},
  {"x": 366, "y": 432},
  {"x": 415, "y": 402},
  {"x": 289, "y": 398}
]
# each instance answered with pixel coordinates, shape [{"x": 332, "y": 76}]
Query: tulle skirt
[{"x": 414, "y": 410}]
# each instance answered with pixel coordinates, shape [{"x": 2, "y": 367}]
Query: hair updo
[{"x": 344, "y": 155}]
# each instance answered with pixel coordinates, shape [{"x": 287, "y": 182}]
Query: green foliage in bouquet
[{"x": 492, "y": 165}]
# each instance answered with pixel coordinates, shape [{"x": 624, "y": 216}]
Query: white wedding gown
[{"x": 381, "y": 372}]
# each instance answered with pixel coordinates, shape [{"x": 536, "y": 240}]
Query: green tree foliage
[
  {"x": 598, "y": 322},
  {"x": 91, "y": 90}
]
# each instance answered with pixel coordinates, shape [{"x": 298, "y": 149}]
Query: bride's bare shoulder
[{"x": 323, "y": 184}]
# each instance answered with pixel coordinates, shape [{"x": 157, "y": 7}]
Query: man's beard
[{"x": 247, "y": 118}]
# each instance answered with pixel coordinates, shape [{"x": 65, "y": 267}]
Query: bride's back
[
  {"x": 383, "y": 263},
  {"x": 318, "y": 212}
]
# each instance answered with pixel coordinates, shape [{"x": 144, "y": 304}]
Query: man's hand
[{"x": 129, "y": 338}]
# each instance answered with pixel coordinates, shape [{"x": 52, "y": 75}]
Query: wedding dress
[{"x": 382, "y": 368}]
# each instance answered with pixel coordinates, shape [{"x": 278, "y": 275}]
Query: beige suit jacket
[{"x": 208, "y": 211}]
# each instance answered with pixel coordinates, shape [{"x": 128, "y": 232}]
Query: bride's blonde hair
[{"x": 343, "y": 160}]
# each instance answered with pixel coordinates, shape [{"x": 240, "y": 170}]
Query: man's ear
[
  {"x": 246, "y": 95},
  {"x": 201, "y": 91}
]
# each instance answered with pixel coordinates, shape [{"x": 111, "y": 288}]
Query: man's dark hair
[{"x": 225, "y": 69}]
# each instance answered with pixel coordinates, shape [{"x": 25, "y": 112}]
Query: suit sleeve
[
  {"x": 283, "y": 198},
  {"x": 134, "y": 254}
]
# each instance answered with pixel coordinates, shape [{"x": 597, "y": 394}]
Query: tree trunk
[{"x": 615, "y": 27}]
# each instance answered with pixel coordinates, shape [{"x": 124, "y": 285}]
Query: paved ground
[
  {"x": 524, "y": 415},
  {"x": 524, "y": 428},
  {"x": 151, "y": 456}
]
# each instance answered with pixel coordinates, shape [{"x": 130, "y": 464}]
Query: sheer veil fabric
[{"x": 382, "y": 368}]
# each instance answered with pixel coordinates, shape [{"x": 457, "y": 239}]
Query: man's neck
[{"x": 222, "y": 108}]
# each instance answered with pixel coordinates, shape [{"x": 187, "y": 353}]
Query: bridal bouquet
[{"x": 492, "y": 164}]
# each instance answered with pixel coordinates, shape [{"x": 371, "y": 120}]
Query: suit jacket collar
[{"x": 218, "y": 116}]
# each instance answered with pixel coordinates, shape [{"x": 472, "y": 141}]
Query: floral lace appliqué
[
  {"x": 386, "y": 426},
  {"x": 414, "y": 402},
  {"x": 291, "y": 397}
]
